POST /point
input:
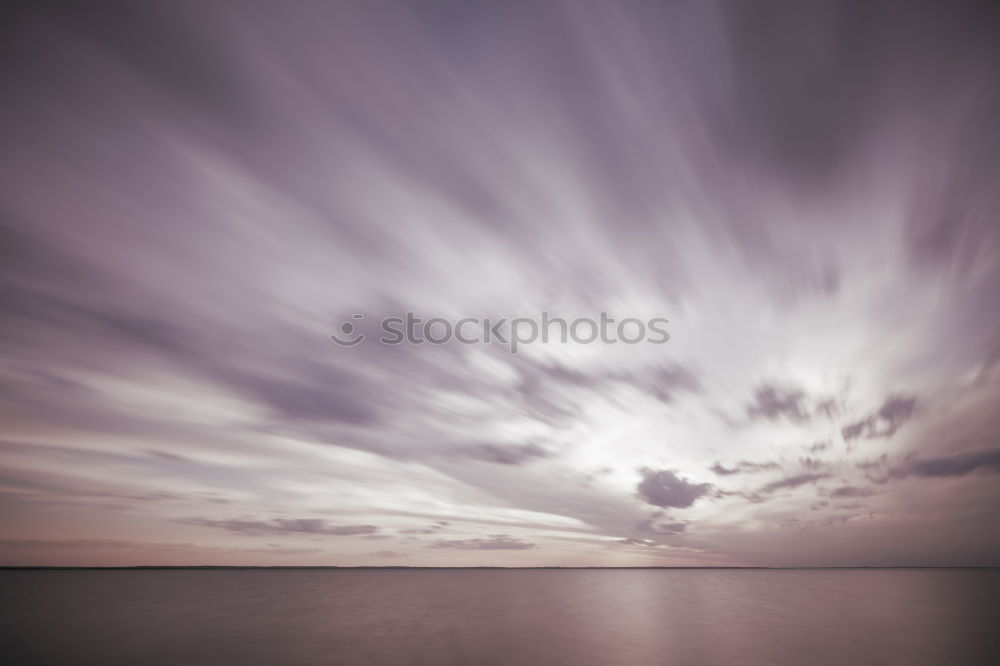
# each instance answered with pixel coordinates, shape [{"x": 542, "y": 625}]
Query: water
[{"x": 468, "y": 617}]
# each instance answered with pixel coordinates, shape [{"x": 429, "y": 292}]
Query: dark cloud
[
  {"x": 828, "y": 408},
  {"x": 494, "y": 542},
  {"x": 435, "y": 527},
  {"x": 956, "y": 465},
  {"x": 884, "y": 422},
  {"x": 772, "y": 402},
  {"x": 826, "y": 521},
  {"x": 811, "y": 463},
  {"x": 853, "y": 430},
  {"x": 724, "y": 471},
  {"x": 744, "y": 466},
  {"x": 665, "y": 383},
  {"x": 316, "y": 393},
  {"x": 792, "y": 482},
  {"x": 664, "y": 488},
  {"x": 283, "y": 526},
  {"x": 896, "y": 411},
  {"x": 542, "y": 381},
  {"x": 850, "y": 491}
]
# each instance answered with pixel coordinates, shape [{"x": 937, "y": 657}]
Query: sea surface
[{"x": 910, "y": 617}]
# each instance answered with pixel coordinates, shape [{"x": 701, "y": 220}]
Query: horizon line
[{"x": 30, "y": 567}]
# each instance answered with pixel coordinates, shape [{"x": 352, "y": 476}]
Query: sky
[{"x": 194, "y": 196}]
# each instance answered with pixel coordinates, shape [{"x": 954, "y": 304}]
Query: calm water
[{"x": 537, "y": 617}]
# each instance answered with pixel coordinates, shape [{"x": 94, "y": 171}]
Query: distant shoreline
[{"x": 474, "y": 568}]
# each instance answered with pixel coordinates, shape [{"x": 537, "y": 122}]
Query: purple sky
[{"x": 195, "y": 195}]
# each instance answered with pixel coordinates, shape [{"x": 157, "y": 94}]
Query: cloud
[
  {"x": 166, "y": 455},
  {"x": 93, "y": 544},
  {"x": 661, "y": 528},
  {"x": 792, "y": 482},
  {"x": 434, "y": 528},
  {"x": 896, "y": 411},
  {"x": 744, "y": 466},
  {"x": 884, "y": 422},
  {"x": 494, "y": 542},
  {"x": 387, "y": 554},
  {"x": 853, "y": 430},
  {"x": 283, "y": 526},
  {"x": 130, "y": 546},
  {"x": 664, "y": 488},
  {"x": 505, "y": 455},
  {"x": 809, "y": 462},
  {"x": 956, "y": 465},
  {"x": 772, "y": 402},
  {"x": 318, "y": 393},
  {"x": 850, "y": 491},
  {"x": 665, "y": 383}
]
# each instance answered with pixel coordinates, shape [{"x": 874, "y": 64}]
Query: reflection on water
[{"x": 538, "y": 617}]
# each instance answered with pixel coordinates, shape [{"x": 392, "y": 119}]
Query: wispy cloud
[
  {"x": 282, "y": 526},
  {"x": 494, "y": 542}
]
